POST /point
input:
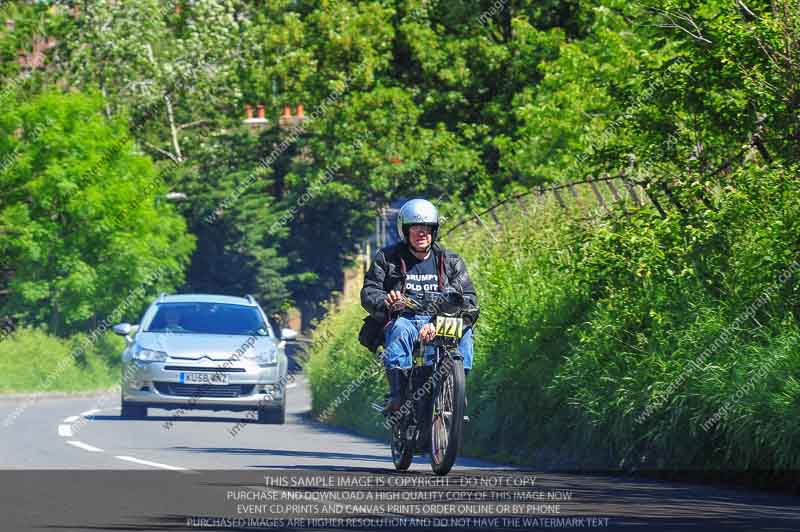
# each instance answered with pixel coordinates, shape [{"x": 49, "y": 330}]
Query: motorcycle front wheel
[{"x": 447, "y": 422}]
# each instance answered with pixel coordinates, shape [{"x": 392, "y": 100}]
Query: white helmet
[{"x": 417, "y": 212}]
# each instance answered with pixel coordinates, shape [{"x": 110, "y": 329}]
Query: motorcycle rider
[{"x": 412, "y": 267}]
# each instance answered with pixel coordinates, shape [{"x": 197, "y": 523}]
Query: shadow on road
[
  {"x": 179, "y": 419},
  {"x": 239, "y": 451},
  {"x": 307, "y": 419},
  {"x": 335, "y": 468}
]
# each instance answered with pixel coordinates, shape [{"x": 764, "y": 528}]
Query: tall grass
[
  {"x": 588, "y": 349},
  {"x": 33, "y": 361},
  {"x": 341, "y": 372}
]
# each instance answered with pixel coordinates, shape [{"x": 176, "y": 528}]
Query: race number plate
[{"x": 449, "y": 327}]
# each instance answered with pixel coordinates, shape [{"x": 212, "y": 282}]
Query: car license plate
[{"x": 212, "y": 377}]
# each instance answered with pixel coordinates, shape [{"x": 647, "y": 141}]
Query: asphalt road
[{"x": 74, "y": 464}]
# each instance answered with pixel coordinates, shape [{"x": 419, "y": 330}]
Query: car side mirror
[
  {"x": 123, "y": 329},
  {"x": 126, "y": 330},
  {"x": 288, "y": 334}
]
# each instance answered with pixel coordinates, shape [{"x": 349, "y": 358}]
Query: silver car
[{"x": 204, "y": 352}]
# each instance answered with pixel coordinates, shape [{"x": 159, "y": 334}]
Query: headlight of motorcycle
[{"x": 149, "y": 355}]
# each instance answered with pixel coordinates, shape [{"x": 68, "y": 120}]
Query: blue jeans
[{"x": 400, "y": 336}]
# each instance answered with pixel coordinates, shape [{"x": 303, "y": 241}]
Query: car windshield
[{"x": 208, "y": 318}]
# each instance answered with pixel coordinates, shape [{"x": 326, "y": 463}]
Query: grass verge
[{"x": 32, "y": 361}]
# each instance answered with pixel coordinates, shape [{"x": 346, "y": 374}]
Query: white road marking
[
  {"x": 151, "y": 464},
  {"x": 70, "y": 419},
  {"x": 91, "y": 412},
  {"x": 85, "y": 446},
  {"x": 65, "y": 431},
  {"x": 292, "y": 385}
]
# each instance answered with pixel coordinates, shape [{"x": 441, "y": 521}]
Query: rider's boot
[{"x": 395, "y": 378}]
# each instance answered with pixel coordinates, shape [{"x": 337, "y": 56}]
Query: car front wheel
[{"x": 273, "y": 416}]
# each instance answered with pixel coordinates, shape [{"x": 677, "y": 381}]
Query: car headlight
[
  {"x": 267, "y": 358},
  {"x": 149, "y": 355}
]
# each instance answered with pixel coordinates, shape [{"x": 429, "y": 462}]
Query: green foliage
[
  {"x": 231, "y": 211},
  {"x": 651, "y": 340},
  {"x": 583, "y": 99},
  {"x": 33, "y": 361},
  {"x": 345, "y": 378},
  {"x": 664, "y": 292},
  {"x": 29, "y": 22},
  {"x": 325, "y": 229},
  {"x": 80, "y": 224},
  {"x": 164, "y": 68},
  {"x": 604, "y": 345},
  {"x": 407, "y": 97},
  {"x": 587, "y": 351}
]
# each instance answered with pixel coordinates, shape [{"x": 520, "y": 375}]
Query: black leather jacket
[{"x": 386, "y": 274}]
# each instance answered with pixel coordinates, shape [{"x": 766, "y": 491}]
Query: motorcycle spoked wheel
[{"x": 447, "y": 422}]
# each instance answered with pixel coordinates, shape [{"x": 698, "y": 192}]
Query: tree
[
  {"x": 231, "y": 210},
  {"x": 573, "y": 121},
  {"x": 458, "y": 101},
  {"x": 169, "y": 66},
  {"x": 81, "y": 226}
]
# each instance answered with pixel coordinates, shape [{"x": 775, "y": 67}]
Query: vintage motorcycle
[{"x": 431, "y": 418}]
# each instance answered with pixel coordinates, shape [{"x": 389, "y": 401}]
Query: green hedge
[
  {"x": 33, "y": 361},
  {"x": 614, "y": 343},
  {"x": 345, "y": 378}
]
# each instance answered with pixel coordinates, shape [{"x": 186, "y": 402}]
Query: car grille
[
  {"x": 203, "y": 390},
  {"x": 221, "y": 369}
]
